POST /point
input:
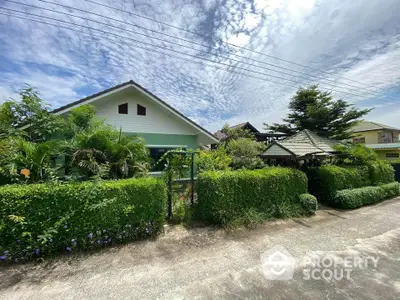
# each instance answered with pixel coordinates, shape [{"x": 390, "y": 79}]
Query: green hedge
[
  {"x": 353, "y": 198},
  {"x": 381, "y": 172},
  {"x": 228, "y": 196},
  {"x": 41, "y": 219},
  {"x": 325, "y": 181},
  {"x": 309, "y": 203}
]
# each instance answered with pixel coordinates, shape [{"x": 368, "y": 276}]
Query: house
[
  {"x": 383, "y": 139},
  {"x": 137, "y": 111},
  {"x": 260, "y": 136},
  {"x": 303, "y": 145}
]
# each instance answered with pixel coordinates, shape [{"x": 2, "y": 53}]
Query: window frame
[
  {"x": 123, "y": 105},
  {"x": 141, "y": 110}
]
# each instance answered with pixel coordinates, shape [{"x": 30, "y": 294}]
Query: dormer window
[
  {"x": 141, "y": 110},
  {"x": 123, "y": 109}
]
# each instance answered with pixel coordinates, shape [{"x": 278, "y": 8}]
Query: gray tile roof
[
  {"x": 300, "y": 149},
  {"x": 307, "y": 136},
  {"x": 368, "y": 126}
]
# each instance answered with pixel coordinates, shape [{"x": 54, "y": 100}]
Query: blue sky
[{"x": 356, "y": 43}]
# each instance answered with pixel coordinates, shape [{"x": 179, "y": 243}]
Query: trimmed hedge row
[
  {"x": 353, "y": 198},
  {"x": 228, "y": 196},
  {"x": 324, "y": 182},
  {"x": 381, "y": 172},
  {"x": 41, "y": 219}
]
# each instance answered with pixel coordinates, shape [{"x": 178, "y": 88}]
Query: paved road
[{"x": 212, "y": 264}]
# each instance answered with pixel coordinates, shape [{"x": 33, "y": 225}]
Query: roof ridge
[{"x": 307, "y": 132}]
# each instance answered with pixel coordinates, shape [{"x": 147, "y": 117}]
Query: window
[
  {"x": 392, "y": 155},
  {"x": 359, "y": 140},
  {"x": 123, "y": 109},
  {"x": 141, "y": 110}
]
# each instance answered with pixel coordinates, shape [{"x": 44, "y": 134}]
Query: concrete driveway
[{"x": 212, "y": 264}]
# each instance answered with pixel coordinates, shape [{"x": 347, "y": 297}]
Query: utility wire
[
  {"x": 229, "y": 58},
  {"x": 230, "y": 44},
  {"x": 165, "y": 48},
  {"x": 177, "y": 44}
]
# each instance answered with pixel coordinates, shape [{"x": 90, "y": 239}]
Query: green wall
[{"x": 168, "y": 139}]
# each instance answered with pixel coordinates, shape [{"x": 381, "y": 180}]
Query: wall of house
[
  {"x": 156, "y": 121},
  {"x": 168, "y": 140},
  {"x": 382, "y": 154},
  {"x": 377, "y": 136}
]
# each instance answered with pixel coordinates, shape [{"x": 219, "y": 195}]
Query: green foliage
[
  {"x": 233, "y": 196},
  {"x": 102, "y": 151},
  {"x": 355, "y": 154},
  {"x": 21, "y": 154},
  {"x": 381, "y": 172},
  {"x": 215, "y": 160},
  {"x": 315, "y": 110},
  {"x": 325, "y": 181},
  {"x": 245, "y": 153},
  {"x": 353, "y": 198},
  {"x": 309, "y": 203},
  {"x": 234, "y": 133},
  {"x": 42, "y": 219},
  {"x": 28, "y": 117}
]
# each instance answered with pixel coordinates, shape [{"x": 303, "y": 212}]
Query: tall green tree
[
  {"x": 29, "y": 116},
  {"x": 317, "y": 111}
]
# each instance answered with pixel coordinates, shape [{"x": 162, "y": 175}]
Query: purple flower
[
  {"x": 124, "y": 232},
  {"x": 18, "y": 241},
  {"x": 65, "y": 226},
  {"x": 68, "y": 249},
  {"x": 147, "y": 230},
  {"x": 99, "y": 242},
  {"x": 3, "y": 257},
  {"x": 37, "y": 252},
  {"x": 90, "y": 236},
  {"x": 51, "y": 240}
]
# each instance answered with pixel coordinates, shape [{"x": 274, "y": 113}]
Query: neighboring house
[
  {"x": 382, "y": 138},
  {"x": 139, "y": 112},
  {"x": 303, "y": 145},
  {"x": 260, "y": 136}
]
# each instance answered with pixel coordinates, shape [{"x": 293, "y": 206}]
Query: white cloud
[{"x": 356, "y": 39}]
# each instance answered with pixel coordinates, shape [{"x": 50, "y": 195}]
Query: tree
[
  {"x": 315, "y": 110},
  {"x": 245, "y": 153},
  {"x": 29, "y": 117},
  {"x": 233, "y": 133}
]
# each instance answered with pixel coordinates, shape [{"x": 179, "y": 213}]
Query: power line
[
  {"x": 177, "y": 44},
  {"x": 165, "y": 48},
  {"x": 227, "y": 43},
  {"x": 274, "y": 76},
  {"x": 148, "y": 49},
  {"x": 157, "y": 51}
]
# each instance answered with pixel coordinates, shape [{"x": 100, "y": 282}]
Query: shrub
[
  {"x": 229, "y": 196},
  {"x": 309, "y": 203},
  {"x": 213, "y": 160},
  {"x": 42, "y": 219},
  {"x": 325, "y": 181},
  {"x": 353, "y": 198},
  {"x": 381, "y": 172}
]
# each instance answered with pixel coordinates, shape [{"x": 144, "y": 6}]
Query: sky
[{"x": 234, "y": 60}]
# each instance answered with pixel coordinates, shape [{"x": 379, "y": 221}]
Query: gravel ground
[{"x": 207, "y": 263}]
